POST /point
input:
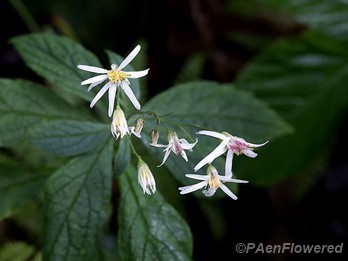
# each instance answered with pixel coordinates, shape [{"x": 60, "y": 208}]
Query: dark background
[{"x": 173, "y": 31}]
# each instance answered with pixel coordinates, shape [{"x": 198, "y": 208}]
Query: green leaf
[
  {"x": 329, "y": 17},
  {"x": 76, "y": 205},
  {"x": 149, "y": 228},
  {"x": 211, "y": 106},
  {"x": 69, "y": 138},
  {"x": 18, "y": 251},
  {"x": 17, "y": 186},
  {"x": 305, "y": 80},
  {"x": 24, "y": 104},
  {"x": 134, "y": 83},
  {"x": 56, "y": 58},
  {"x": 122, "y": 157}
]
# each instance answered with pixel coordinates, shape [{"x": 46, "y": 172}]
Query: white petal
[
  {"x": 227, "y": 191},
  {"x": 213, "y": 134},
  {"x": 183, "y": 154},
  {"x": 249, "y": 153},
  {"x": 130, "y": 95},
  {"x": 187, "y": 146},
  {"x": 209, "y": 192},
  {"x": 256, "y": 145},
  {"x": 219, "y": 150},
  {"x": 112, "y": 95},
  {"x": 94, "y": 84},
  {"x": 137, "y": 74},
  {"x": 159, "y": 145},
  {"x": 166, "y": 155},
  {"x": 198, "y": 177},
  {"x": 236, "y": 180},
  {"x": 228, "y": 164},
  {"x": 129, "y": 58},
  {"x": 95, "y": 79},
  {"x": 100, "y": 94},
  {"x": 188, "y": 189},
  {"x": 92, "y": 69}
]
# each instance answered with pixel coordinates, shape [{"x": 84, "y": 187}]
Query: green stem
[
  {"x": 24, "y": 13},
  {"x": 133, "y": 148}
]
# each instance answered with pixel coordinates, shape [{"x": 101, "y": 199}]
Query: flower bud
[
  {"x": 154, "y": 136},
  {"x": 139, "y": 124}
]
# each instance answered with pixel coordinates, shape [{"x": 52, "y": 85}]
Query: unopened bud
[
  {"x": 145, "y": 178},
  {"x": 154, "y": 136},
  {"x": 139, "y": 124}
]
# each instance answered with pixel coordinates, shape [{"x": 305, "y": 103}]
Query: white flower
[
  {"x": 175, "y": 145},
  {"x": 213, "y": 180},
  {"x": 145, "y": 178},
  {"x": 119, "y": 126},
  {"x": 117, "y": 78},
  {"x": 231, "y": 144}
]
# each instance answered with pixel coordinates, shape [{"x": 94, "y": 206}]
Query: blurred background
[{"x": 221, "y": 40}]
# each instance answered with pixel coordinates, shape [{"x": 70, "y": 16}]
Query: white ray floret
[
  {"x": 176, "y": 145},
  {"x": 117, "y": 78},
  {"x": 213, "y": 181}
]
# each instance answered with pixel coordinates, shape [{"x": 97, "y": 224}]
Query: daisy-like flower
[
  {"x": 175, "y": 145},
  {"x": 119, "y": 125},
  {"x": 213, "y": 180},
  {"x": 145, "y": 178},
  {"x": 116, "y": 78},
  {"x": 231, "y": 144}
]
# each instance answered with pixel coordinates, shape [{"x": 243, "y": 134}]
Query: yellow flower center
[
  {"x": 214, "y": 182},
  {"x": 117, "y": 76}
]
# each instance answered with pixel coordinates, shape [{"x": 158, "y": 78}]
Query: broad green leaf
[
  {"x": 330, "y": 17},
  {"x": 288, "y": 73},
  {"x": 149, "y": 228},
  {"x": 69, "y": 138},
  {"x": 122, "y": 157},
  {"x": 56, "y": 58},
  {"x": 210, "y": 106},
  {"x": 17, "y": 185},
  {"x": 134, "y": 83},
  {"x": 305, "y": 80},
  {"x": 24, "y": 104},
  {"x": 76, "y": 205}
]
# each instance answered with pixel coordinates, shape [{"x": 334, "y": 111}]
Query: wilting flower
[
  {"x": 145, "y": 178},
  {"x": 175, "y": 145},
  {"x": 154, "y": 136},
  {"x": 213, "y": 180},
  {"x": 117, "y": 78},
  {"x": 231, "y": 144},
  {"x": 119, "y": 126},
  {"x": 139, "y": 124}
]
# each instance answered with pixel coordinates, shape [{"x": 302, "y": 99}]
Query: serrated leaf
[
  {"x": 211, "y": 106},
  {"x": 305, "y": 80},
  {"x": 24, "y": 104},
  {"x": 56, "y": 58},
  {"x": 149, "y": 228},
  {"x": 76, "y": 204},
  {"x": 69, "y": 138},
  {"x": 122, "y": 157},
  {"x": 329, "y": 17}
]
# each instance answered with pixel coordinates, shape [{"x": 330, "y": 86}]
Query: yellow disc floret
[{"x": 117, "y": 76}]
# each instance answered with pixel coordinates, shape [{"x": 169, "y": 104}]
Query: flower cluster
[{"x": 117, "y": 80}]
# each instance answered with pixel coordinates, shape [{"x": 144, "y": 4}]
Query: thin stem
[
  {"x": 24, "y": 13},
  {"x": 133, "y": 148}
]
